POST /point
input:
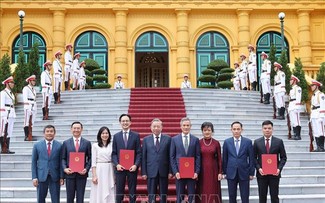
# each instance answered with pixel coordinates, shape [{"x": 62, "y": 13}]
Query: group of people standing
[{"x": 159, "y": 159}]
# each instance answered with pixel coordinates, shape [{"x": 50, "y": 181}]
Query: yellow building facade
[{"x": 154, "y": 43}]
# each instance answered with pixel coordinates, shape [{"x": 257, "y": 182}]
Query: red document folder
[
  {"x": 186, "y": 167},
  {"x": 269, "y": 164},
  {"x": 77, "y": 161},
  {"x": 126, "y": 158}
]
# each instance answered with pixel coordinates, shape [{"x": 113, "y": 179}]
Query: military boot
[
  {"x": 321, "y": 143},
  {"x": 298, "y": 137},
  {"x": 55, "y": 98},
  {"x": 26, "y": 133},
  {"x": 281, "y": 112},
  {"x": 8, "y": 144},
  {"x": 294, "y": 135},
  {"x": 317, "y": 145}
]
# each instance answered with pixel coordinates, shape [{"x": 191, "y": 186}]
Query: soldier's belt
[
  {"x": 48, "y": 83},
  {"x": 278, "y": 83},
  {"x": 292, "y": 99},
  {"x": 30, "y": 99},
  {"x": 315, "y": 107},
  {"x": 9, "y": 105},
  {"x": 263, "y": 71}
]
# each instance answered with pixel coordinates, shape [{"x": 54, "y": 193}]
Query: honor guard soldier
[
  {"x": 265, "y": 77},
  {"x": 82, "y": 76},
  {"x": 252, "y": 73},
  {"x": 236, "y": 80},
  {"x": 119, "y": 84},
  {"x": 294, "y": 107},
  {"x": 317, "y": 115},
  {"x": 8, "y": 114},
  {"x": 186, "y": 84},
  {"x": 279, "y": 89},
  {"x": 30, "y": 107},
  {"x": 68, "y": 66},
  {"x": 243, "y": 72},
  {"x": 47, "y": 92},
  {"x": 57, "y": 77},
  {"x": 75, "y": 69}
]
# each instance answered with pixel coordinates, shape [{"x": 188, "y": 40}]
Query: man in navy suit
[
  {"x": 238, "y": 163},
  {"x": 155, "y": 162},
  {"x": 46, "y": 166},
  {"x": 268, "y": 144},
  {"x": 76, "y": 180},
  {"x": 185, "y": 145},
  {"x": 126, "y": 139}
]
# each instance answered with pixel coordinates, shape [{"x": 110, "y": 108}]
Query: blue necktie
[{"x": 237, "y": 146}]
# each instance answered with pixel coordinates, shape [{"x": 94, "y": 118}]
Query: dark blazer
[
  {"x": 177, "y": 150},
  {"x": 277, "y": 147},
  {"x": 154, "y": 161},
  {"x": 68, "y": 146},
  {"x": 42, "y": 164},
  {"x": 133, "y": 144},
  {"x": 243, "y": 162}
]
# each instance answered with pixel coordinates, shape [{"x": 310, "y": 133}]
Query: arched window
[
  {"x": 29, "y": 39},
  {"x": 211, "y": 46},
  {"x": 92, "y": 45}
]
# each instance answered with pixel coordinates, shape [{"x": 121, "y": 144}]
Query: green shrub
[
  {"x": 208, "y": 72},
  {"x": 207, "y": 78},
  {"x": 224, "y": 76},
  {"x": 87, "y": 72},
  {"x": 98, "y": 72},
  {"x": 89, "y": 80},
  {"x": 91, "y": 64},
  {"x": 4, "y": 69},
  {"x": 226, "y": 70},
  {"x": 217, "y": 65},
  {"x": 225, "y": 84},
  {"x": 100, "y": 78},
  {"x": 101, "y": 86}
]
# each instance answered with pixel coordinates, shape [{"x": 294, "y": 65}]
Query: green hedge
[
  {"x": 98, "y": 72},
  {"x": 87, "y": 72},
  {"x": 91, "y": 64},
  {"x": 207, "y": 78},
  {"x": 226, "y": 70},
  {"x": 224, "y": 76},
  {"x": 208, "y": 72},
  {"x": 101, "y": 86},
  {"x": 217, "y": 65},
  {"x": 225, "y": 84},
  {"x": 100, "y": 78},
  {"x": 89, "y": 80}
]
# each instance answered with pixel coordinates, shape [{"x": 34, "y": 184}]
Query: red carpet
[{"x": 167, "y": 104}]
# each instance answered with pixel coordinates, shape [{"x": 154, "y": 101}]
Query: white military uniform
[
  {"x": 30, "y": 106},
  {"x": 82, "y": 78},
  {"x": 236, "y": 80},
  {"x": 68, "y": 65},
  {"x": 279, "y": 88},
  {"x": 57, "y": 75},
  {"x": 76, "y": 70},
  {"x": 7, "y": 111},
  {"x": 265, "y": 76},
  {"x": 318, "y": 113},
  {"x": 118, "y": 85},
  {"x": 47, "y": 91},
  {"x": 243, "y": 74},
  {"x": 295, "y": 105},
  {"x": 252, "y": 73},
  {"x": 186, "y": 85}
]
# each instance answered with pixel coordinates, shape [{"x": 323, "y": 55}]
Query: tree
[
  {"x": 33, "y": 66},
  {"x": 300, "y": 74},
  {"x": 321, "y": 75},
  {"x": 223, "y": 73},
  {"x": 272, "y": 58},
  {"x": 283, "y": 60},
  {"x": 97, "y": 78},
  {"x": 21, "y": 73},
  {"x": 4, "y": 68},
  {"x": 209, "y": 77}
]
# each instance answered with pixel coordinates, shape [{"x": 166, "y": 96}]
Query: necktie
[
  {"x": 125, "y": 140},
  {"x": 267, "y": 145},
  {"x": 49, "y": 148},
  {"x": 157, "y": 143},
  {"x": 186, "y": 143},
  {"x": 237, "y": 146},
  {"x": 77, "y": 145}
]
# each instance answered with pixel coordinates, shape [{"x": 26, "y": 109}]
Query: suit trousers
[
  {"x": 180, "y": 189},
  {"x": 76, "y": 185},
  {"x": 121, "y": 177},
  {"x": 263, "y": 185},
  {"x": 43, "y": 187},
  {"x": 152, "y": 185},
  {"x": 243, "y": 187}
]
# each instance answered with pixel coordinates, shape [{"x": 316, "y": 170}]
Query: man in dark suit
[
  {"x": 155, "y": 162},
  {"x": 185, "y": 145},
  {"x": 126, "y": 139},
  {"x": 238, "y": 163},
  {"x": 269, "y": 144},
  {"x": 46, "y": 166},
  {"x": 76, "y": 180}
]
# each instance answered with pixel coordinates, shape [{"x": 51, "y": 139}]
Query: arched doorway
[
  {"x": 210, "y": 46},
  {"x": 151, "y": 60}
]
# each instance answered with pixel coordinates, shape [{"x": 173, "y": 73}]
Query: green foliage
[
  {"x": 225, "y": 84},
  {"x": 87, "y": 72},
  {"x": 100, "y": 78},
  {"x": 21, "y": 73},
  {"x": 33, "y": 67},
  {"x": 4, "y": 69},
  {"x": 217, "y": 65},
  {"x": 91, "y": 64},
  {"x": 101, "y": 85},
  {"x": 285, "y": 68},
  {"x": 321, "y": 75},
  {"x": 207, "y": 78},
  {"x": 300, "y": 73},
  {"x": 89, "y": 80},
  {"x": 98, "y": 72},
  {"x": 94, "y": 74},
  {"x": 206, "y": 86},
  {"x": 224, "y": 76},
  {"x": 208, "y": 72},
  {"x": 226, "y": 70},
  {"x": 272, "y": 58}
]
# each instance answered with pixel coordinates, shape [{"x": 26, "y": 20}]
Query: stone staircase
[{"x": 303, "y": 177}]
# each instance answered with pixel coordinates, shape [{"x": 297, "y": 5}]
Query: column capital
[
  {"x": 243, "y": 10},
  {"x": 182, "y": 10},
  {"x": 304, "y": 10},
  {"x": 56, "y": 9},
  {"x": 120, "y": 10}
]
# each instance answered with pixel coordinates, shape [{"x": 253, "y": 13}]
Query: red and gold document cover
[
  {"x": 77, "y": 161},
  {"x": 126, "y": 158},
  {"x": 269, "y": 164},
  {"x": 186, "y": 167}
]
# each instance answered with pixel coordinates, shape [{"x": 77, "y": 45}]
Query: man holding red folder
[
  {"x": 265, "y": 148},
  {"x": 185, "y": 161},
  {"x": 126, "y": 146}
]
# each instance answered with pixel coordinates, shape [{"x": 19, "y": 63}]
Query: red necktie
[
  {"x": 267, "y": 146},
  {"x": 49, "y": 148},
  {"x": 77, "y": 145}
]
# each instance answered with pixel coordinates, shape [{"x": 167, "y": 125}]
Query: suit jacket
[
  {"x": 243, "y": 162},
  {"x": 43, "y": 165},
  {"x": 132, "y": 144},
  {"x": 68, "y": 146},
  {"x": 277, "y": 147},
  {"x": 154, "y": 161},
  {"x": 177, "y": 150}
]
